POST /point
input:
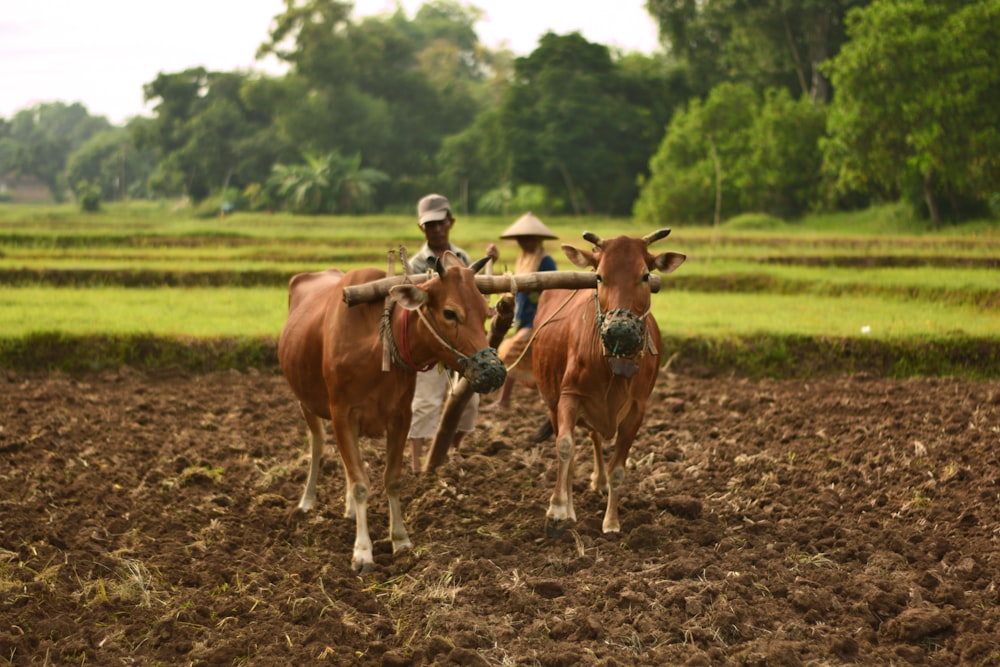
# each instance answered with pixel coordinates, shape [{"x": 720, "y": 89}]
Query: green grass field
[
  {"x": 260, "y": 311},
  {"x": 146, "y": 269}
]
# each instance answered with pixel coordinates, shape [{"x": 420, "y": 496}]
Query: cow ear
[
  {"x": 450, "y": 259},
  {"x": 410, "y": 297},
  {"x": 580, "y": 258},
  {"x": 668, "y": 261}
]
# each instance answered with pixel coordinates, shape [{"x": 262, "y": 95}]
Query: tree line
[{"x": 783, "y": 107}]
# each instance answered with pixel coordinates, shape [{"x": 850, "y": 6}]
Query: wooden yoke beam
[{"x": 525, "y": 282}]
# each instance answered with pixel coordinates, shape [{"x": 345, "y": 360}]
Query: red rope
[{"x": 404, "y": 347}]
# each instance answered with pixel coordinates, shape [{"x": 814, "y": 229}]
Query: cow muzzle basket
[
  {"x": 622, "y": 333},
  {"x": 484, "y": 370}
]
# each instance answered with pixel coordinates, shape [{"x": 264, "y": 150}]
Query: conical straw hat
[{"x": 528, "y": 225}]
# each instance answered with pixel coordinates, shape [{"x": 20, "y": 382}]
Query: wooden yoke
[
  {"x": 537, "y": 281},
  {"x": 459, "y": 397}
]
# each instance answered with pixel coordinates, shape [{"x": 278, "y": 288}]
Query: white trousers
[{"x": 432, "y": 391}]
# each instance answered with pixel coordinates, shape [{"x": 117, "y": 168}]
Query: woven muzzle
[
  {"x": 622, "y": 333},
  {"x": 485, "y": 371}
]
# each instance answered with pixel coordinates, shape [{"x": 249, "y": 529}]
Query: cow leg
[
  {"x": 561, "y": 514},
  {"x": 616, "y": 469},
  {"x": 315, "y": 425},
  {"x": 598, "y": 478},
  {"x": 358, "y": 489},
  {"x": 395, "y": 440},
  {"x": 350, "y": 511}
]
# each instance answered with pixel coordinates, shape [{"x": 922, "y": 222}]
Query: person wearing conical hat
[{"x": 530, "y": 234}]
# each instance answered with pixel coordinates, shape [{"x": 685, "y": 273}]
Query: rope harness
[
  {"x": 483, "y": 368},
  {"x": 535, "y": 330},
  {"x": 401, "y": 358}
]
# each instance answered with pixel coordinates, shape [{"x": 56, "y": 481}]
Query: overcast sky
[{"x": 101, "y": 52}]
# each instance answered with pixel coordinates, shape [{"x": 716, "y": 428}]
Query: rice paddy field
[{"x": 847, "y": 283}]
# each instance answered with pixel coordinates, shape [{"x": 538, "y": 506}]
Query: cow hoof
[
  {"x": 544, "y": 432},
  {"x": 555, "y": 528},
  {"x": 600, "y": 487},
  {"x": 362, "y": 568}
]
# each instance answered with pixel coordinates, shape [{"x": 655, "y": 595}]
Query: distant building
[{"x": 23, "y": 189}]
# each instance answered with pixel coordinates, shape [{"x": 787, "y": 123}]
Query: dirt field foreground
[{"x": 849, "y": 521}]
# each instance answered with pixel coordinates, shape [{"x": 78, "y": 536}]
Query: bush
[
  {"x": 701, "y": 141},
  {"x": 763, "y": 157},
  {"x": 754, "y": 222},
  {"x": 782, "y": 171},
  {"x": 90, "y": 197}
]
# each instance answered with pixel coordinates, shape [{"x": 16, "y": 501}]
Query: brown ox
[
  {"x": 596, "y": 355},
  {"x": 331, "y": 355}
]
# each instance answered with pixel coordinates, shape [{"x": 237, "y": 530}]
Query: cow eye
[
  {"x": 450, "y": 315},
  {"x": 645, "y": 277},
  {"x": 599, "y": 278}
]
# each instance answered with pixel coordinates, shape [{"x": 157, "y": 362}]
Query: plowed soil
[{"x": 842, "y": 521}]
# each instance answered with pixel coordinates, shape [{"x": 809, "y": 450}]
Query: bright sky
[{"x": 101, "y": 52}]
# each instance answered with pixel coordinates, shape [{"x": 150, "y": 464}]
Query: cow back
[{"x": 327, "y": 347}]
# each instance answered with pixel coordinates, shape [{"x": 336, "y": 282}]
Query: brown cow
[
  {"x": 331, "y": 355},
  {"x": 596, "y": 356}
]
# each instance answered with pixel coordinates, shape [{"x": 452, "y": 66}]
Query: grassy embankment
[{"x": 143, "y": 285}]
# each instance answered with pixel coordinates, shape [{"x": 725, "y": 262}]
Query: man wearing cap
[
  {"x": 530, "y": 233},
  {"x": 435, "y": 220}
]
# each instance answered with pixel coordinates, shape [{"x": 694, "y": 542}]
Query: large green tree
[
  {"x": 701, "y": 153},
  {"x": 736, "y": 152},
  {"x": 472, "y": 162},
  {"x": 568, "y": 122},
  {"x": 110, "y": 162},
  {"x": 207, "y": 136},
  {"x": 917, "y": 106},
  {"x": 767, "y": 43},
  {"x": 387, "y": 87},
  {"x": 39, "y": 140},
  {"x": 780, "y": 172}
]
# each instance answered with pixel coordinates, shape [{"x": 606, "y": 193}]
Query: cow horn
[
  {"x": 593, "y": 238},
  {"x": 479, "y": 264},
  {"x": 439, "y": 267},
  {"x": 652, "y": 238}
]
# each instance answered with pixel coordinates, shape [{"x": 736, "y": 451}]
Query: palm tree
[{"x": 328, "y": 184}]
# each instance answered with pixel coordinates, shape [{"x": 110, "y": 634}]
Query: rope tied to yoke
[
  {"x": 390, "y": 351},
  {"x": 387, "y": 348},
  {"x": 535, "y": 330},
  {"x": 400, "y": 359},
  {"x": 513, "y": 282}
]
